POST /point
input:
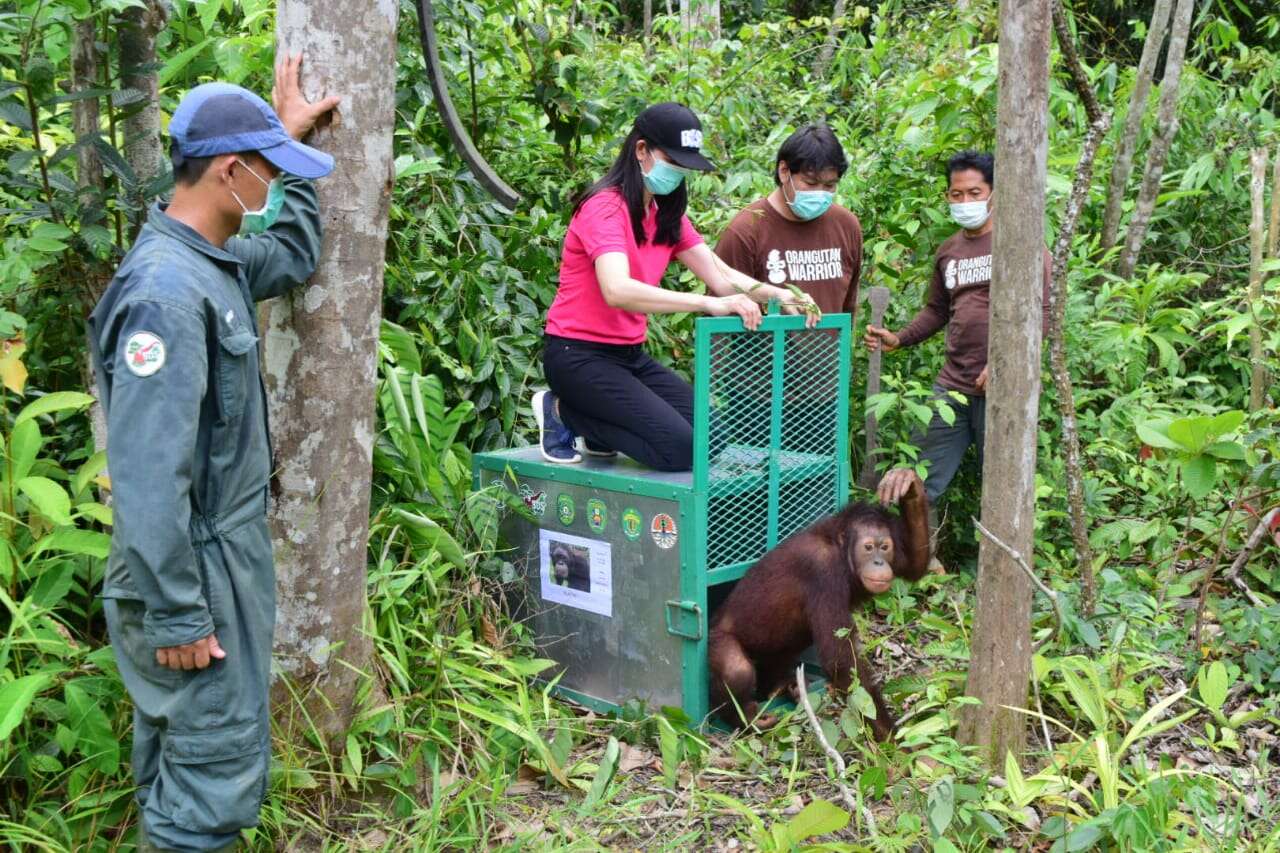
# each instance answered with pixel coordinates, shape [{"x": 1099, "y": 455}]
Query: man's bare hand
[
  {"x": 802, "y": 303},
  {"x": 297, "y": 114},
  {"x": 875, "y": 338},
  {"x": 895, "y": 485},
  {"x": 980, "y": 384},
  {"x": 197, "y": 655}
]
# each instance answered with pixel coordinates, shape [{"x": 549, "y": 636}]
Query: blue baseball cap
[{"x": 221, "y": 118}]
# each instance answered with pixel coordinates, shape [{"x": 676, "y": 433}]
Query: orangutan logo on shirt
[
  {"x": 777, "y": 269},
  {"x": 804, "y": 265},
  {"x": 966, "y": 271}
]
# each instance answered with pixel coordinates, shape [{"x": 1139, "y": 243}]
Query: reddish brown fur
[{"x": 801, "y": 593}]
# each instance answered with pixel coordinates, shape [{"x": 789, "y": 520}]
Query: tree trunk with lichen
[
  {"x": 1257, "y": 228},
  {"x": 142, "y": 148},
  {"x": 320, "y": 367},
  {"x": 1162, "y": 141},
  {"x": 1122, "y": 166},
  {"x": 700, "y": 19},
  {"x": 1000, "y": 657}
]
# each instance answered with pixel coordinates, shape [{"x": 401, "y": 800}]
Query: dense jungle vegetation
[{"x": 1156, "y": 716}]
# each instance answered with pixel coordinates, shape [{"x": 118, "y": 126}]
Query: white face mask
[{"x": 971, "y": 214}]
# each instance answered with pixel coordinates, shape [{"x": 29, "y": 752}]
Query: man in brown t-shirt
[
  {"x": 959, "y": 298},
  {"x": 797, "y": 235}
]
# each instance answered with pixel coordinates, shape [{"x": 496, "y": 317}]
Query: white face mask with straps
[{"x": 971, "y": 214}]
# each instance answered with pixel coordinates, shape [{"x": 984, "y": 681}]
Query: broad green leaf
[
  {"x": 354, "y": 756},
  {"x": 941, "y": 805},
  {"x": 92, "y": 467},
  {"x": 604, "y": 775},
  {"x": 179, "y": 62},
  {"x": 1156, "y": 434},
  {"x": 1192, "y": 434},
  {"x": 72, "y": 540},
  {"x": 818, "y": 818},
  {"x": 669, "y": 746},
  {"x": 1199, "y": 475},
  {"x": 94, "y": 737},
  {"x": 1227, "y": 422},
  {"x": 15, "y": 697},
  {"x": 1083, "y": 838},
  {"x": 1213, "y": 685},
  {"x": 1226, "y": 450},
  {"x": 48, "y": 497},
  {"x": 53, "y": 585},
  {"x": 427, "y": 532},
  {"x": 24, "y": 445},
  {"x": 13, "y": 371},
  {"x": 56, "y": 402}
]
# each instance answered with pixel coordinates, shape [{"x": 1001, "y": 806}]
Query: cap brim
[
  {"x": 295, "y": 158},
  {"x": 689, "y": 159}
]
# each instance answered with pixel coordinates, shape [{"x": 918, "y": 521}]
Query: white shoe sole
[{"x": 538, "y": 399}]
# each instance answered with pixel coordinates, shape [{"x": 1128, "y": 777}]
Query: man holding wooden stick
[{"x": 959, "y": 299}]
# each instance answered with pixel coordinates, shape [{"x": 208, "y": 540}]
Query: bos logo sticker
[
  {"x": 565, "y": 509},
  {"x": 597, "y": 515},
  {"x": 632, "y": 522},
  {"x": 144, "y": 353}
]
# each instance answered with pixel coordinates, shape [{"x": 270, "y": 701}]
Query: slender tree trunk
[
  {"x": 1273, "y": 233},
  {"x": 1099, "y": 124},
  {"x": 648, "y": 27},
  {"x": 833, "y": 37},
  {"x": 1257, "y": 225},
  {"x": 85, "y": 118},
  {"x": 85, "y": 115},
  {"x": 142, "y": 149},
  {"x": 1166, "y": 129},
  {"x": 321, "y": 363},
  {"x": 1000, "y": 659},
  {"x": 1122, "y": 167},
  {"x": 701, "y": 20}
]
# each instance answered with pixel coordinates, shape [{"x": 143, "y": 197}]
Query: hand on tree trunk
[{"x": 297, "y": 114}]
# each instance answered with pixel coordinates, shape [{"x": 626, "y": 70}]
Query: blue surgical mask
[
  {"x": 809, "y": 204},
  {"x": 257, "y": 221},
  {"x": 663, "y": 178},
  {"x": 971, "y": 214}
]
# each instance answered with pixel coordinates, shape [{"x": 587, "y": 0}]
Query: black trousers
[{"x": 618, "y": 398}]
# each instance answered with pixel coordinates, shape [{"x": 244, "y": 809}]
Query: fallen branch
[
  {"x": 802, "y": 692},
  {"x": 1250, "y": 545},
  {"x": 1022, "y": 564}
]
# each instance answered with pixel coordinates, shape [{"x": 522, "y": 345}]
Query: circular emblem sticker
[
  {"x": 144, "y": 353},
  {"x": 663, "y": 530},
  {"x": 564, "y": 509},
  {"x": 597, "y": 515},
  {"x": 631, "y": 523}
]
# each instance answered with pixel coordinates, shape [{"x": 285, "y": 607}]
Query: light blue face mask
[
  {"x": 257, "y": 221},
  {"x": 809, "y": 204},
  {"x": 663, "y": 178}
]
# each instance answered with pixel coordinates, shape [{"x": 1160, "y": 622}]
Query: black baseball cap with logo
[{"x": 676, "y": 130}]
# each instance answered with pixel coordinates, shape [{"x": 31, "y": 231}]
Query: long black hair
[{"x": 626, "y": 176}]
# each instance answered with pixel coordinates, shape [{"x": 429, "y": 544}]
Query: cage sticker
[
  {"x": 597, "y": 515},
  {"x": 576, "y": 571},
  {"x": 663, "y": 530},
  {"x": 565, "y": 509},
  {"x": 535, "y": 501},
  {"x": 632, "y": 523}
]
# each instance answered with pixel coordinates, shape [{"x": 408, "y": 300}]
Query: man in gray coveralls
[{"x": 190, "y": 586}]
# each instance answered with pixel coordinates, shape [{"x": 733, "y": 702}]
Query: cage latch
[{"x": 685, "y": 612}]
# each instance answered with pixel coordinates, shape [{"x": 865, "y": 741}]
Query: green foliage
[{"x": 454, "y": 745}]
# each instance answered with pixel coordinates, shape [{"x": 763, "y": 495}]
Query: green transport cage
[{"x": 649, "y": 555}]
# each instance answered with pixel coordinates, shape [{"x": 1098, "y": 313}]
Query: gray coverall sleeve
[
  {"x": 285, "y": 255},
  {"x": 151, "y": 442}
]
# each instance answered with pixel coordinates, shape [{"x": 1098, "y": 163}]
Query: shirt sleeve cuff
[{"x": 177, "y": 629}]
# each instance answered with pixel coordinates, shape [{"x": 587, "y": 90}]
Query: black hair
[
  {"x": 188, "y": 170},
  {"x": 811, "y": 149},
  {"x": 626, "y": 176},
  {"x": 979, "y": 161}
]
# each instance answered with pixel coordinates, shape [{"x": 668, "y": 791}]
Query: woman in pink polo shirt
[{"x": 625, "y": 230}]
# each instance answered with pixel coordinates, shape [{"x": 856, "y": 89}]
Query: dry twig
[
  {"x": 802, "y": 693},
  {"x": 1022, "y": 564}
]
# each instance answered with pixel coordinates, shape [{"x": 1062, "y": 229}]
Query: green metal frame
[{"x": 688, "y": 617}]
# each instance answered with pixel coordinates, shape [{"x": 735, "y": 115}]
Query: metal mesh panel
[{"x": 776, "y": 407}]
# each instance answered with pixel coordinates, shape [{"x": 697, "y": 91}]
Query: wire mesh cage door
[{"x": 771, "y": 432}]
